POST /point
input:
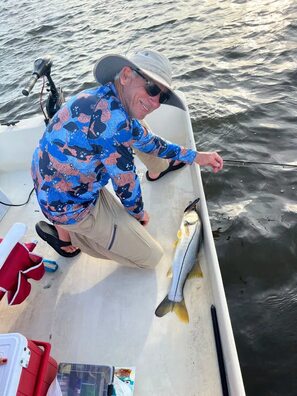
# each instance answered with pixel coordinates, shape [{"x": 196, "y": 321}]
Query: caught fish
[{"x": 185, "y": 263}]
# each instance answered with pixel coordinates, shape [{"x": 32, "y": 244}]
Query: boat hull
[{"x": 98, "y": 312}]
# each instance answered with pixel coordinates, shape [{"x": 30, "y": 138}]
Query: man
[{"x": 89, "y": 141}]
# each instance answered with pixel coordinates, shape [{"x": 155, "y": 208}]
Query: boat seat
[{"x": 17, "y": 265}]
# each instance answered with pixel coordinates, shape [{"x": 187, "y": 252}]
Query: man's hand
[
  {"x": 144, "y": 221},
  {"x": 212, "y": 159}
]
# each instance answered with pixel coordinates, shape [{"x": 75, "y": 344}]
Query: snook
[{"x": 185, "y": 263}]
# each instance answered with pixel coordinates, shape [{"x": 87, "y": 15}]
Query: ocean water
[{"x": 236, "y": 63}]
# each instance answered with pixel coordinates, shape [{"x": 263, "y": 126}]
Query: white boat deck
[{"x": 99, "y": 312}]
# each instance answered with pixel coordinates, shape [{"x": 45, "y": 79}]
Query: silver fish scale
[{"x": 185, "y": 254}]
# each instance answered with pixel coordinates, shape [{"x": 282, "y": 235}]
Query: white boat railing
[{"x": 234, "y": 376}]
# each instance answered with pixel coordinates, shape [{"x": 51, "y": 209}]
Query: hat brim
[{"x": 107, "y": 67}]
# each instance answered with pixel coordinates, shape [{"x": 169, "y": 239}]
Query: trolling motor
[{"x": 42, "y": 68}]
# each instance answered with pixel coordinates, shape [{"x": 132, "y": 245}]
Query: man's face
[{"x": 136, "y": 100}]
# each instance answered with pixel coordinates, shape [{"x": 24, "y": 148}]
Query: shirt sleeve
[{"x": 150, "y": 143}]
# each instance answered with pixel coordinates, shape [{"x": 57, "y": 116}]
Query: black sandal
[
  {"x": 170, "y": 168},
  {"x": 49, "y": 234}
]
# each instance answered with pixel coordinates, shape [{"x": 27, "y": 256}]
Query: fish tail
[
  {"x": 179, "y": 308},
  {"x": 181, "y": 311},
  {"x": 164, "y": 307}
]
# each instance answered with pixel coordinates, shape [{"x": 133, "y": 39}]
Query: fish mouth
[{"x": 191, "y": 218}]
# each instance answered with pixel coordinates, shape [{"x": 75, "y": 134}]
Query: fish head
[{"x": 191, "y": 217}]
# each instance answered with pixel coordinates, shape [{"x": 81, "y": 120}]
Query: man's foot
[
  {"x": 65, "y": 237},
  {"x": 54, "y": 237},
  {"x": 173, "y": 165}
]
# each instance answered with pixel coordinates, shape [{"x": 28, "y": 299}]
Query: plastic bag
[
  {"x": 54, "y": 389},
  {"x": 121, "y": 388}
]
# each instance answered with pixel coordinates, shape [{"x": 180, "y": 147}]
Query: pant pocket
[
  {"x": 135, "y": 244},
  {"x": 113, "y": 237}
]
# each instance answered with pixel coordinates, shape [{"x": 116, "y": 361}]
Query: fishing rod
[
  {"x": 219, "y": 349},
  {"x": 243, "y": 162}
]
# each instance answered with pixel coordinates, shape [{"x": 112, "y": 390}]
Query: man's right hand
[{"x": 212, "y": 159}]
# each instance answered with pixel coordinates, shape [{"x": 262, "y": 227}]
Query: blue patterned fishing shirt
[{"x": 88, "y": 142}]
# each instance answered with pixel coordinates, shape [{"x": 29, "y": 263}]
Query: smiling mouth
[{"x": 144, "y": 106}]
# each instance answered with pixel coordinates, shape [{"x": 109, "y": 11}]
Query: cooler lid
[{"x": 14, "y": 348}]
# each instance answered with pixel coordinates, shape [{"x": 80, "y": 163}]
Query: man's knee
[{"x": 151, "y": 258}]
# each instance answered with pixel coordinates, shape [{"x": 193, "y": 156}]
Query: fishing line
[{"x": 243, "y": 162}]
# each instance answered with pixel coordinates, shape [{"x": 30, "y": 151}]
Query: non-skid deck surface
[{"x": 96, "y": 311}]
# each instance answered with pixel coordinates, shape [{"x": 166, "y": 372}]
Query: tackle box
[{"x": 85, "y": 379}]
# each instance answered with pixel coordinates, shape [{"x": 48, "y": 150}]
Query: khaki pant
[
  {"x": 153, "y": 164},
  {"x": 109, "y": 232}
]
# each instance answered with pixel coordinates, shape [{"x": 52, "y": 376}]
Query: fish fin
[
  {"x": 170, "y": 273},
  {"x": 179, "y": 237},
  {"x": 164, "y": 307},
  {"x": 196, "y": 271},
  {"x": 179, "y": 308},
  {"x": 187, "y": 229},
  {"x": 181, "y": 311}
]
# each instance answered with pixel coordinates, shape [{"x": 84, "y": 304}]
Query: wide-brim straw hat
[{"x": 153, "y": 64}]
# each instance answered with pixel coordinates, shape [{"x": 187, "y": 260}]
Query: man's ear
[{"x": 125, "y": 75}]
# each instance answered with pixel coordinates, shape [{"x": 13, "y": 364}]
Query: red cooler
[{"x": 26, "y": 367}]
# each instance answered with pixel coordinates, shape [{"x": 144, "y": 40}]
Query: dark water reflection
[
  {"x": 256, "y": 227},
  {"x": 236, "y": 62}
]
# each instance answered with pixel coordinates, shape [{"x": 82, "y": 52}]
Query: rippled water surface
[{"x": 236, "y": 62}]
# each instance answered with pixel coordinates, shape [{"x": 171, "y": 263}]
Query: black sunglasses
[{"x": 153, "y": 89}]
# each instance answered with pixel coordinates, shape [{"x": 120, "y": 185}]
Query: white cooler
[{"x": 26, "y": 368}]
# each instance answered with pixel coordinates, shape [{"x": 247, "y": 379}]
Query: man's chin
[{"x": 142, "y": 115}]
